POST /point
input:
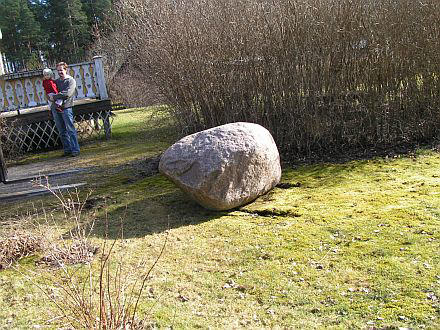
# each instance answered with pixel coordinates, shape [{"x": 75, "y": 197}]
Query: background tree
[
  {"x": 36, "y": 31},
  {"x": 96, "y": 11},
  {"x": 39, "y": 9},
  {"x": 22, "y": 37},
  {"x": 69, "y": 34}
]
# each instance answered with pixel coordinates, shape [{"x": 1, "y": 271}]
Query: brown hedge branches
[{"x": 321, "y": 75}]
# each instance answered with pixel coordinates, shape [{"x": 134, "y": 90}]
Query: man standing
[{"x": 64, "y": 120}]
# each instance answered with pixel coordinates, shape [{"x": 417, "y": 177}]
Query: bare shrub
[
  {"x": 320, "y": 75},
  {"x": 126, "y": 83},
  {"x": 134, "y": 89},
  {"x": 39, "y": 234},
  {"x": 101, "y": 297},
  {"x": 105, "y": 295},
  {"x": 69, "y": 254}
]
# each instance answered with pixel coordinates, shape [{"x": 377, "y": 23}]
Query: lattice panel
[
  {"x": 94, "y": 125},
  {"x": 44, "y": 135}
]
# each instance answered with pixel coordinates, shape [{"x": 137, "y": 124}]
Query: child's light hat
[{"x": 47, "y": 72}]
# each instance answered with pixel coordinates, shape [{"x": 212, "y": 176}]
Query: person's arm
[{"x": 67, "y": 92}]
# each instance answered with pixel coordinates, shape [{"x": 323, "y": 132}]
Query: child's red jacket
[{"x": 50, "y": 86}]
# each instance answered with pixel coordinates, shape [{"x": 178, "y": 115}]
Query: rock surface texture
[{"x": 224, "y": 167}]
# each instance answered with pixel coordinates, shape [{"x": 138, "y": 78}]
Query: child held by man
[{"x": 51, "y": 89}]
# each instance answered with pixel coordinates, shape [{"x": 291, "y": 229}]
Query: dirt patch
[
  {"x": 140, "y": 168},
  {"x": 288, "y": 185}
]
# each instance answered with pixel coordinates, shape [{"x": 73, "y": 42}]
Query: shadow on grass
[
  {"x": 158, "y": 205},
  {"x": 324, "y": 174},
  {"x": 153, "y": 215}
]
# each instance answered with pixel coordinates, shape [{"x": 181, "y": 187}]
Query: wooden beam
[
  {"x": 38, "y": 177},
  {"x": 38, "y": 192}
]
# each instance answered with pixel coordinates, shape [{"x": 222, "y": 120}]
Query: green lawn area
[{"x": 352, "y": 245}]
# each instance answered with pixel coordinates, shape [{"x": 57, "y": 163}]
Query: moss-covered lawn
[{"x": 353, "y": 245}]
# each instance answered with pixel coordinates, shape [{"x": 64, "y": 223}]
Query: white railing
[{"x": 25, "y": 89}]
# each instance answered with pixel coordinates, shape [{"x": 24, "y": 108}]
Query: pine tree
[
  {"x": 96, "y": 10},
  {"x": 69, "y": 30},
  {"x": 21, "y": 32},
  {"x": 39, "y": 9}
]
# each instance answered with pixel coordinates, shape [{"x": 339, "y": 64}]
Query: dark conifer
[
  {"x": 69, "y": 30},
  {"x": 22, "y": 36}
]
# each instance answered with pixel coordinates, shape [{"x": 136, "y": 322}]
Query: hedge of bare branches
[{"x": 321, "y": 75}]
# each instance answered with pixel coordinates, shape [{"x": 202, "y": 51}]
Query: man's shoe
[{"x": 74, "y": 154}]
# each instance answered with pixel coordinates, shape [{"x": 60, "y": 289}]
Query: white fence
[{"x": 25, "y": 89}]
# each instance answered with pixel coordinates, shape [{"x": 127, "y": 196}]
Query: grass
[{"x": 352, "y": 245}]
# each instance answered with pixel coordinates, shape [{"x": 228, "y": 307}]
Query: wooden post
[
  {"x": 2, "y": 71},
  {"x": 3, "y": 168},
  {"x": 100, "y": 78},
  {"x": 107, "y": 125}
]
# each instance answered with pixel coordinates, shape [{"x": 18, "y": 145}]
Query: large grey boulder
[{"x": 224, "y": 167}]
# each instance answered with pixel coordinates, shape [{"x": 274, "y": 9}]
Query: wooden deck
[
  {"x": 32, "y": 130},
  {"x": 25, "y": 181},
  {"x": 24, "y": 108}
]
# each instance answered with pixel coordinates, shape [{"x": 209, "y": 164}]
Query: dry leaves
[{"x": 16, "y": 246}]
